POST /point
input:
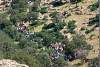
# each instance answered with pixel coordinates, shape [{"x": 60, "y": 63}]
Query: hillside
[{"x": 49, "y": 33}]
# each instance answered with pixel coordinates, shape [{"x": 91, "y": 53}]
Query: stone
[{"x": 10, "y": 63}]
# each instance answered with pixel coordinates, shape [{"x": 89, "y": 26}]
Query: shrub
[
  {"x": 54, "y": 26},
  {"x": 82, "y": 28},
  {"x": 71, "y": 26},
  {"x": 57, "y": 3},
  {"x": 76, "y": 1},
  {"x": 94, "y": 62},
  {"x": 24, "y": 58},
  {"x": 88, "y": 31},
  {"x": 78, "y": 41},
  {"x": 94, "y": 6},
  {"x": 94, "y": 20},
  {"x": 49, "y": 38},
  {"x": 54, "y": 14},
  {"x": 43, "y": 10}
]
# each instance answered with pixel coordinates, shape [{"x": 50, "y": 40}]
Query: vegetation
[
  {"x": 43, "y": 10},
  {"x": 94, "y": 62},
  {"x": 71, "y": 26},
  {"x": 57, "y": 3},
  {"x": 89, "y": 31},
  {"x": 94, "y": 6},
  {"x": 55, "y": 26},
  {"x": 35, "y": 48},
  {"x": 78, "y": 41},
  {"x": 94, "y": 21}
]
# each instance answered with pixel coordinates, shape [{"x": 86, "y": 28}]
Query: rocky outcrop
[{"x": 10, "y": 63}]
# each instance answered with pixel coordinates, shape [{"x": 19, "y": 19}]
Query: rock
[{"x": 10, "y": 63}]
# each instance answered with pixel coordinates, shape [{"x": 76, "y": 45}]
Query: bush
[
  {"x": 59, "y": 62},
  {"x": 71, "y": 26},
  {"x": 24, "y": 58},
  {"x": 44, "y": 59},
  {"x": 57, "y": 3},
  {"x": 43, "y": 10},
  {"x": 94, "y": 20},
  {"x": 88, "y": 31},
  {"x": 49, "y": 38},
  {"x": 54, "y": 26},
  {"x": 54, "y": 14},
  {"x": 6, "y": 45},
  {"x": 94, "y": 62},
  {"x": 75, "y": 1},
  {"x": 78, "y": 41},
  {"x": 94, "y": 6}
]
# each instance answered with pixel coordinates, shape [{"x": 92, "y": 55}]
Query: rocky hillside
[{"x": 37, "y": 33}]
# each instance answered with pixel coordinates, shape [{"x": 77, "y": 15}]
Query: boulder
[{"x": 10, "y": 63}]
